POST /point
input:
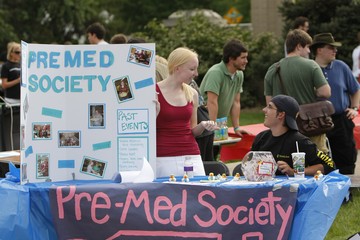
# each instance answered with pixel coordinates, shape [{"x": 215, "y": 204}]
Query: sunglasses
[{"x": 16, "y": 52}]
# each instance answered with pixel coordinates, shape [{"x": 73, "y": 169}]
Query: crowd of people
[
  {"x": 180, "y": 134},
  {"x": 305, "y": 81}
]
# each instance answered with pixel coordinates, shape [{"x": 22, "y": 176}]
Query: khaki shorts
[{"x": 320, "y": 141}]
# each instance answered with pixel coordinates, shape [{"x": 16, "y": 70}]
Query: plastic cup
[{"x": 298, "y": 164}]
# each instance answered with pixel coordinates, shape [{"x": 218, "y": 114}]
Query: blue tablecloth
[{"x": 25, "y": 209}]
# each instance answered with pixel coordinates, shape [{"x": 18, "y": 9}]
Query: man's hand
[
  {"x": 351, "y": 113},
  {"x": 285, "y": 168},
  {"x": 238, "y": 131}
]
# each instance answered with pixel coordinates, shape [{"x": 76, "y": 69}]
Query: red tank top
[{"x": 173, "y": 133}]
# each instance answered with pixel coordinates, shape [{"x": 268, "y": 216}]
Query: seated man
[{"x": 281, "y": 138}]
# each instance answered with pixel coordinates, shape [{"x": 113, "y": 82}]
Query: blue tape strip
[
  {"x": 28, "y": 151},
  {"x": 66, "y": 164},
  {"x": 102, "y": 145},
  {"x": 51, "y": 112},
  {"x": 144, "y": 83}
]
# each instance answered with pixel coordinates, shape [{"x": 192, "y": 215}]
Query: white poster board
[{"x": 87, "y": 111}]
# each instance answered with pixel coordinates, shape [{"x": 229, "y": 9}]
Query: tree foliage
[
  {"x": 59, "y": 21},
  {"x": 55, "y": 21},
  {"x": 341, "y": 18},
  {"x": 131, "y": 16},
  {"x": 208, "y": 40},
  {"x": 44, "y": 21},
  {"x": 51, "y": 21}
]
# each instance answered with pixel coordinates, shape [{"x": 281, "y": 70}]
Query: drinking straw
[{"x": 297, "y": 146}]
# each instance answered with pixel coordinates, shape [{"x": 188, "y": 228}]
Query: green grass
[
  {"x": 347, "y": 220},
  {"x": 249, "y": 116}
]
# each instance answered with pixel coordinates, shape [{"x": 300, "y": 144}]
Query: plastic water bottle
[{"x": 189, "y": 167}]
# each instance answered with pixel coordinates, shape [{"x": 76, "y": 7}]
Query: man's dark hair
[
  {"x": 233, "y": 49},
  {"x": 295, "y": 37},
  {"x": 98, "y": 29},
  {"x": 118, "y": 39},
  {"x": 315, "y": 47},
  {"x": 300, "y": 21}
]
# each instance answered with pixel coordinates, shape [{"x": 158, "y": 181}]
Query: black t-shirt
[
  {"x": 11, "y": 71},
  {"x": 282, "y": 146}
]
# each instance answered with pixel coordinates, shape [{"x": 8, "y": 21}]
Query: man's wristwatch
[{"x": 355, "y": 108}]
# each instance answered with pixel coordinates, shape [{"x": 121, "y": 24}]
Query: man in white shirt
[
  {"x": 356, "y": 60},
  {"x": 96, "y": 33}
]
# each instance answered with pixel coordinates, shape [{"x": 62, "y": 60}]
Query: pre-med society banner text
[{"x": 87, "y": 111}]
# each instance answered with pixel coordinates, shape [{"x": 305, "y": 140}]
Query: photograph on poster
[
  {"x": 93, "y": 167},
  {"x": 71, "y": 139},
  {"x": 140, "y": 55},
  {"x": 24, "y": 172},
  {"x": 42, "y": 163},
  {"x": 42, "y": 131},
  {"x": 96, "y": 115},
  {"x": 123, "y": 89}
]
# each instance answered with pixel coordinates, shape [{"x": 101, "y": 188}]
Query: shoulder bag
[{"x": 314, "y": 118}]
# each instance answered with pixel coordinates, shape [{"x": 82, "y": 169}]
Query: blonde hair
[
  {"x": 161, "y": 68},
  {"x": 160, "y": 59},
  {"x": 10, "y": 48},
  {"x": 189, "y": 92},
  {"x": 177, "y": 58}
]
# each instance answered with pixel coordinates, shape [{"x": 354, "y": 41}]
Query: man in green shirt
[
  {"x": 302, "y": 78},
  {"x": 222, "y": 84}
]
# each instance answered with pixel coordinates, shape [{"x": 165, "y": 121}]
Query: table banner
[{"x": 171, "y": 211}]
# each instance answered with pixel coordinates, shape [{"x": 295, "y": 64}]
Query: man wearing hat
[
  {"x": 300, "y": 77},
  {"x": 281, "y": 138},
  {"x": 345, "y": 96}
]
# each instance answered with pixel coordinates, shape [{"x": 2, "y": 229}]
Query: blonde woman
[
  {"x": 10, "y": 73},
  {"x": 177, "y": 117}
]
